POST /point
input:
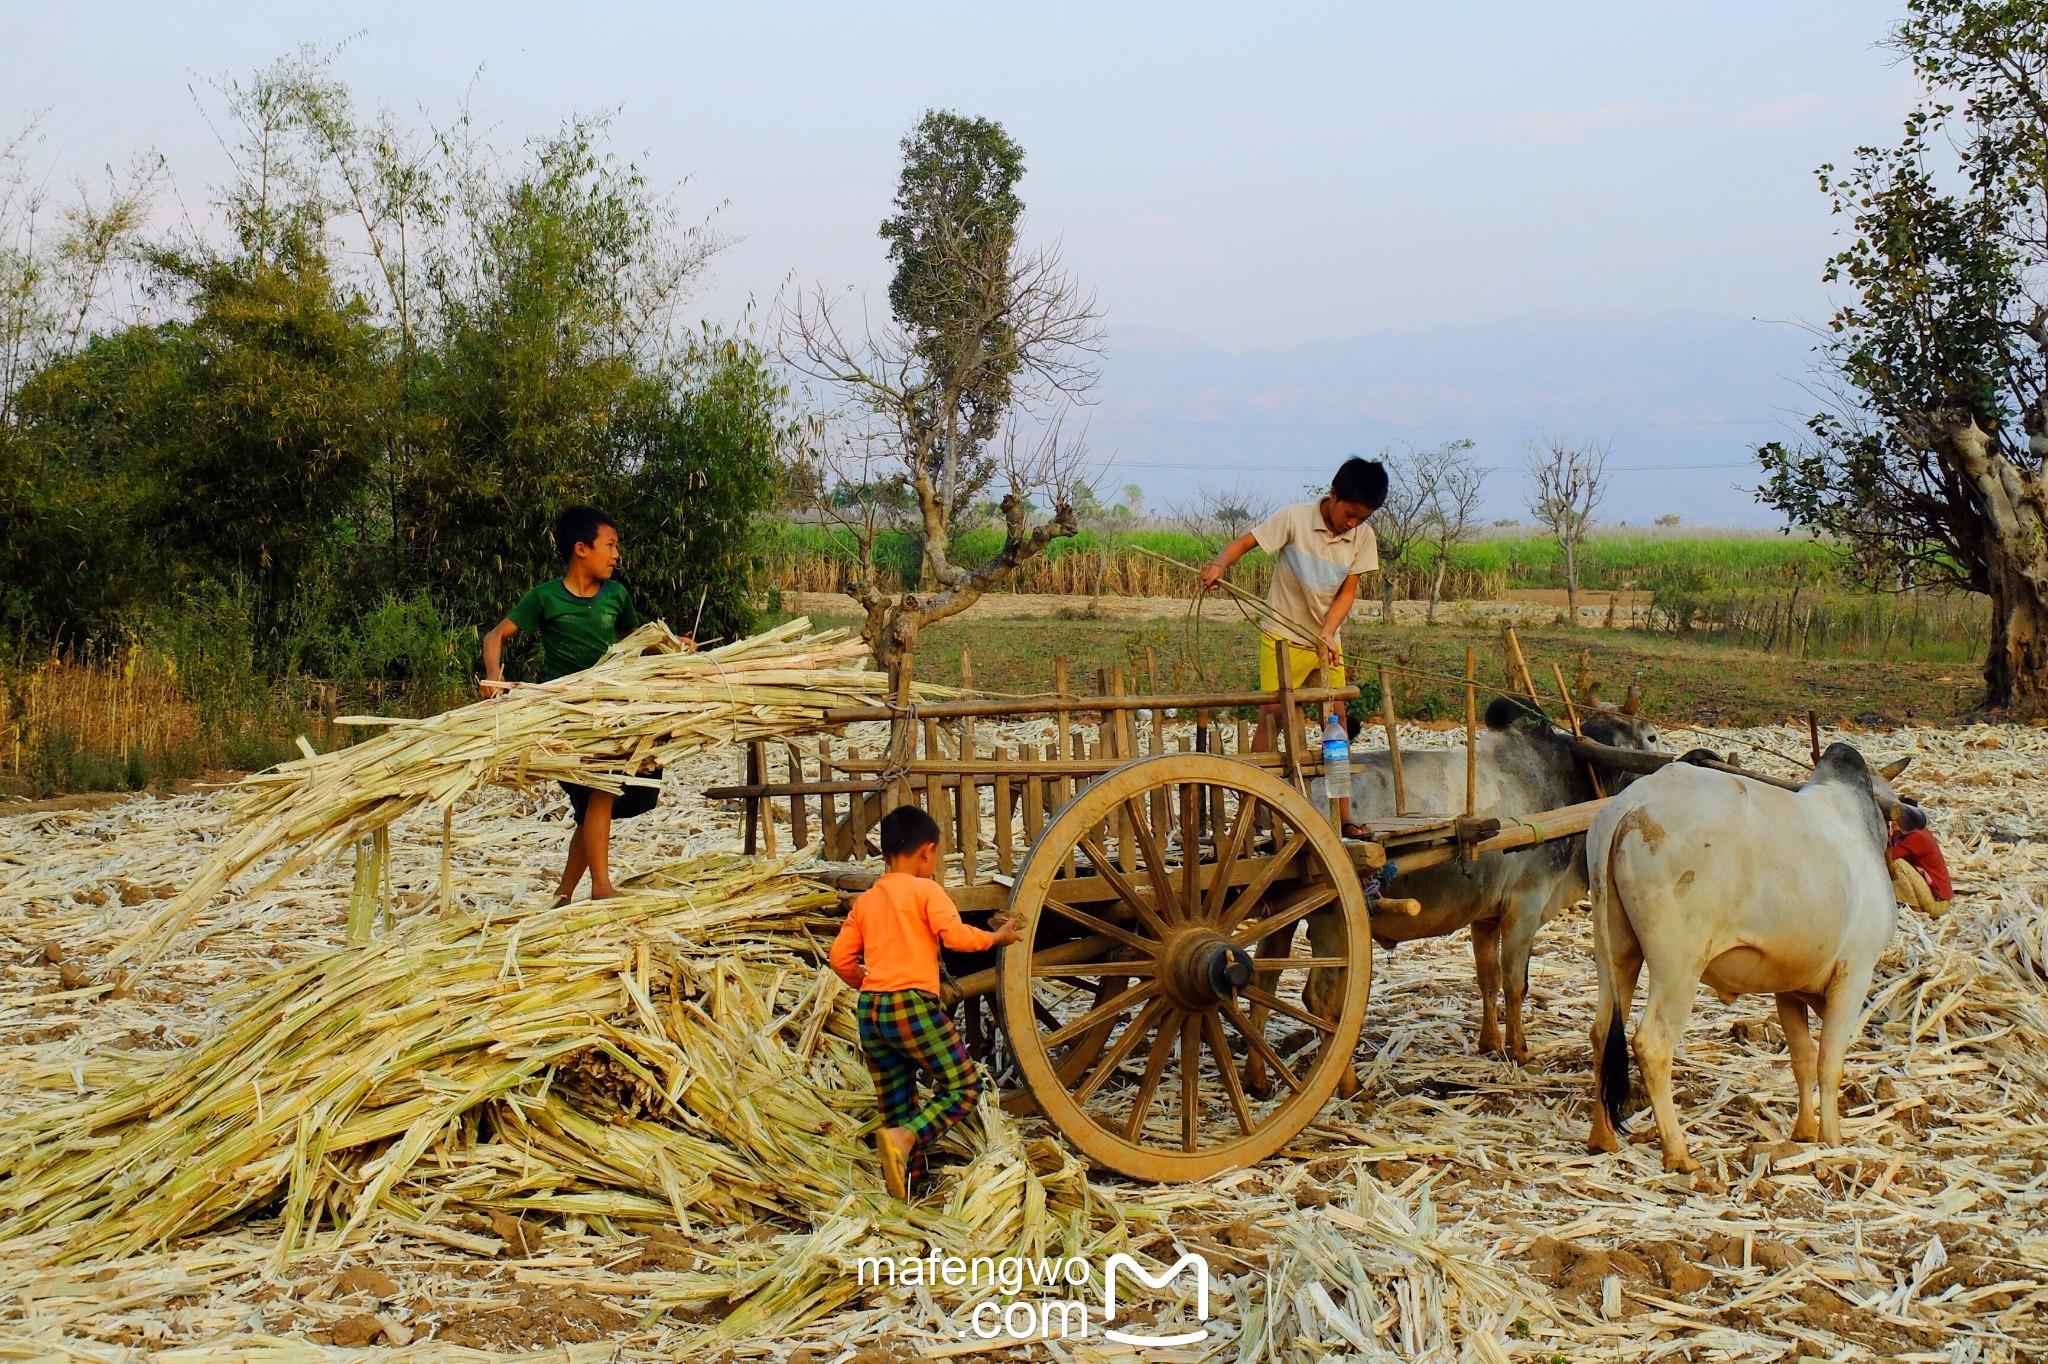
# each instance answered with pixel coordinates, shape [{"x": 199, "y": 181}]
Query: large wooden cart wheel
[{"x": 1161, "y": 906}]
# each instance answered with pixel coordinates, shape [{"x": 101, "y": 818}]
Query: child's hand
[{"x": 1005, "y": 931}]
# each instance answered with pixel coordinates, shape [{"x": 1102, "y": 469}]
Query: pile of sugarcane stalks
[
  {"x": 646, "y": 703},
  {"x": 672, "y": 1057}
]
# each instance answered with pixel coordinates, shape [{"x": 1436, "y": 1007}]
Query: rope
[{"x": 1737, "y": 739}]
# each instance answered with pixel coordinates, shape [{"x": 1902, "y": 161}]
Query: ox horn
[
  {"x": 1890, "y": 771},
  {"x": 1634, "y": 701}
]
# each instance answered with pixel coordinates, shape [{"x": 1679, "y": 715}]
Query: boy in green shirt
[{"x": 578, "y": 616}]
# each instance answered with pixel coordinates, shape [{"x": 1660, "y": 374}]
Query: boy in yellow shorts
[{"x": 1320, "y": 550}]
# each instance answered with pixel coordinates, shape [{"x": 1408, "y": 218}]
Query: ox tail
[
  {"x": 1613, "y": 1061},
  {"x": 1614, "y": 1076}
]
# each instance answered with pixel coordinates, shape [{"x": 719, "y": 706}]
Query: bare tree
[
  {"x": 54, "y": 275},
  {"x": 1568, "y": 480},
  {"x": 1454, "y": 503},
  {"x": 1226, "y": 512},
  {"x": 901, "y": 410},
  {"x": 1404, "y": 521}
]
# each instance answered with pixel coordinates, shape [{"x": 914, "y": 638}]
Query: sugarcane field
[{"x": 787, "y": 684}]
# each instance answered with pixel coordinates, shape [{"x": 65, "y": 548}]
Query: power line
[
  {"x": 1313, "y": 466},
  {"x": 1380, "y": 425}
]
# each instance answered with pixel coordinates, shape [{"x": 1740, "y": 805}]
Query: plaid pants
[{"x": 901, "y": 1032}]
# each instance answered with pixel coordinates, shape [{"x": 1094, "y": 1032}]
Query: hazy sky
[
  {"x": 1254, "y": 176},
  {"x": 1250, "y": 176}
]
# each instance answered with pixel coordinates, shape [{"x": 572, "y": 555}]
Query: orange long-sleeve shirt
[{"x": 894, "y": 930}]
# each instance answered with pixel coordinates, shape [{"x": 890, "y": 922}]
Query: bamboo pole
[
  {"x": 1571, "y": 713},
  {"x": 1471, "y": 730},
  {"x": 1290, "y": 718},
  {"x": 1393, "y": 742}
]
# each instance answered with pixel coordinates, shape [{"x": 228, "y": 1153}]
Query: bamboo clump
[{"x": 647, "y": 703}]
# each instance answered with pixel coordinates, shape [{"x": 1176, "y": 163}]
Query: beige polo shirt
[{"x": 1310, "y": 564}]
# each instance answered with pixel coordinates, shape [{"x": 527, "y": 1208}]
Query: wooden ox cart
[{"x": 1159, "y": 869}]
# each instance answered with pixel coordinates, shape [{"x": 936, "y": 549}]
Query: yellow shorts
[{"x": 1301, "y": 661}]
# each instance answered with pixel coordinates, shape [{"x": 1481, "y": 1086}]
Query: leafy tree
[
  {"x": 365, "y": 454},
  {"x": 992, "y": 344},
  {"x": 956, "y": 218},
  {"x": 1929, "y": 466},
  {"x": 699, "y": 453}
]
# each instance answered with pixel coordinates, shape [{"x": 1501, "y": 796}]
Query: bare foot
[{"x": 894, "y": 1145}]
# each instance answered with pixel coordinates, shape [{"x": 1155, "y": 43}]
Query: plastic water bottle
[{"x": 1336, "y": 758}]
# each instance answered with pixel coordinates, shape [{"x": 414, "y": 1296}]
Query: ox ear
[
  {"x": 1890, "y": 771},
  {"x": 1634, "y": 701}
]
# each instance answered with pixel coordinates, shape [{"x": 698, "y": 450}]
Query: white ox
[{"x": 1706, "y": 876}]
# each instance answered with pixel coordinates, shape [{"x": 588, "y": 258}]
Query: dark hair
[
  {"x": 578, "y": 526},
  {"x": 905, "y": 829},
  {"x": 1362, "y": 482}
]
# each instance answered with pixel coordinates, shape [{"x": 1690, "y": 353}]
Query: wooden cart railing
[{"x": 991, "y": 795}]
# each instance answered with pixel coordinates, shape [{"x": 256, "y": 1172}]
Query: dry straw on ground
[{"x": 1449, "y": 1211}]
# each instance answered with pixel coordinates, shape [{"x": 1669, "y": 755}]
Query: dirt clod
[
  {"x": 522, "y": 1239},
  {"x": 357, "y": 1330},
  {"x": 365, "y": 1279}
]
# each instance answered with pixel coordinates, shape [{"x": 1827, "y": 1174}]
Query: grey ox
[
  {"x": 1703, "y": 876},
  {"x": 1524, "y": 768}
]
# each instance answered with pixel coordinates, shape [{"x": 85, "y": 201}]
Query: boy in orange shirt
[{"x": 888, "y": 949}]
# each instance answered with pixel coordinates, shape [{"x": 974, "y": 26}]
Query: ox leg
[
  {"x": 1486, "y": 958},
  {"x": 1620, "y": 965},
  {"x": 1324, "y": 993},
  {"x": 1657, "y": 1039},
  {"x": 1805, "y": 1058},
  {"x": 1517, "y": 941},
  {"x": 1837, "y": 1029},
  {"x": 1257, "y": 1082}
]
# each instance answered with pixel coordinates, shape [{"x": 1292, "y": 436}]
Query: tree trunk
[
  {"x": 1386, "y": 595},
  {"x": 2016, "y": 666},
  {"x": 1436, "y": 585},
  {"x": 1571, "y": 582},
  {"x": 2015, "y": 555}
]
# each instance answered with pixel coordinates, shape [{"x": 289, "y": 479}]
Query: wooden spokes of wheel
[{"x": 1162, "y": 907}]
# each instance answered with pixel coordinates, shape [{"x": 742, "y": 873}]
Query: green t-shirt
[{"x": 574, "y": 631}]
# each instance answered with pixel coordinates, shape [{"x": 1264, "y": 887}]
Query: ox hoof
[
  {"x": 1490, "y": 1044},
  {"x": 1258, "y": 1085},
  {"x": 1702, "y": 1182},
  {"x": 1347, "y": 1084},
  {"x": 1680, "y": 1165},
  {"x": 1805, "y": 1131},
  {"x": 1602, "y": 1141}
]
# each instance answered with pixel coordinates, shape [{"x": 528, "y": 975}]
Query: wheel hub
[{"x": 1200, "y": 968}]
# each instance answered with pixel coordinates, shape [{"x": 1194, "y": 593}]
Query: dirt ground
[{"x": 1925, "y": 1237}]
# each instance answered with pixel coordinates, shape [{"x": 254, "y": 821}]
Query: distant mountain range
[{"x": 1670, "y": 392}]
